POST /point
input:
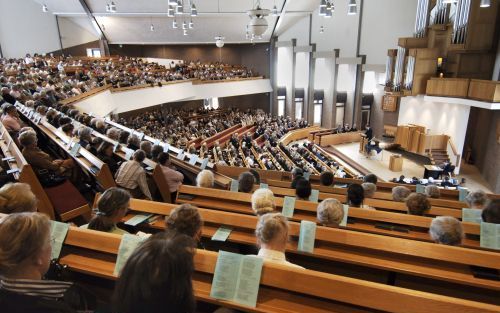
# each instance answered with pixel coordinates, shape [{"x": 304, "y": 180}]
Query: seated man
[
  {"x": 372, "y": 145},
  {"x": 132, "y": 176}
]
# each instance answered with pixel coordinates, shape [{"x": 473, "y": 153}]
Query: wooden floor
[{"x": 379, "y": 164}]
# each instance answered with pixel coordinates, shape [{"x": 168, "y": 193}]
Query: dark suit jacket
[{"x": 369, "y": 134}]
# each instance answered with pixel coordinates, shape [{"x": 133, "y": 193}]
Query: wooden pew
[
  {"x": 282, "y": 289},
  {"x": 373, "y": 221},
  {"x": 26, "y": 174},
  {"x": 211, "y": 140}
]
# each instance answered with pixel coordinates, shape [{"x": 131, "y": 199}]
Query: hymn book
[
  {"x": 204, "y": 164},
  {"x": 462, "y": 193},
  {"x": 420, "y": 188},
  {"x": 58, "y": 232},
  {"x": 307, "y": 236},
  {"x": 237, "y": 278},
  {"x": 490, "y": 236},
  {"x": 343, "y": 223},
  {"x": 472, "y": 215},
  {"x": 234, "y": 185},
  {"x": 288, "y": 206},
  {"x": 307, "y": 175},
  {"x": 264, "y": 186},
  {"x": 314, "y": 197},
  {"x": 222, "y": 234},
  {"x": 137, "y": 219},
  {"x": 127, "y": 246}
]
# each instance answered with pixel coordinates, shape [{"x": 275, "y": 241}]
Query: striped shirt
[
  {"x": 48, "y": 289},
  {"x": 130, "y": 175}
]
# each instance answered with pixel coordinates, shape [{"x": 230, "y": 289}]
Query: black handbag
[{"x": 50, "y": 179}]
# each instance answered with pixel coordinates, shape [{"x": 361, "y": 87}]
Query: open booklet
[
  {"x": 128, "y": 244},
  {"x": 58, "y": 232},
  {"x": 472, "y": 215},
  {"x": 307, "y": 236},
  {"x": 237, "y": 278},
  {"x": 490, "y": 236}
]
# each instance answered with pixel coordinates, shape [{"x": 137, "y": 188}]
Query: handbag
[{"x": 50, "y": 179}]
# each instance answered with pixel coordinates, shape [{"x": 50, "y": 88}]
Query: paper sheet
[
  {"x": 222, "y": 234},
  {"x": 472, "y": 215},
  {"x": 490, "y": 236},
  {"x": 314, "y": 197},
  {"x": 288, "y": 206},
  {"x": 127, "y": 246},
  {"x": 307, "y": 236},
  {"x": 58, "y": 232}
]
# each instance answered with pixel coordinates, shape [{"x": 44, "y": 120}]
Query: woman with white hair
[
  {"x": 369, "y": 189},
  {"x": 446, "y": 230},
  {"x": 477, "y": 199},
  {"x": 330, "y": 212},
  {"x": 263, "y": 201},
  {"x": 400, "y": 193},
  {"x": 432, "y": 191},
  {"x": 205, "y": 179}
]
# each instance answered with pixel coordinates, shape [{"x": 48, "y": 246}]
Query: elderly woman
[
  {"x": 147, "y": 147},
  {"x": 330, "y": 212},
  {"x": 263, "y": 201},
  {"x": 16, "y": 198},
  {"x": 446, "y": 230},
  {"x": 432, "y": 191},
  {"x": 25, "y": 252},
  {"x": 272, "y": 236},
  {"x": 10, "y": 119},
  {"x": 186, "y": 219},
  {"x": 85, "y": 136},
  {"x": 369, "y": 189},
  {"x": 400, "y": 193},
  {"x": 111, "y": 208},
  {"x": 205, "y": 179},
  {"x": 477, "y": 199},
  {"x": 491, "y": 214},
  {"x": 40, "y": 160},
  {"x": 417, "y": 204}
]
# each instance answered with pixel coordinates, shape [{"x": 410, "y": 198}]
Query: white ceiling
[{"x": 227, "y": 18}]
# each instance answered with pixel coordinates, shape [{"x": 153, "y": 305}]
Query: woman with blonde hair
[
  {"x": 263, "y": 201},
  {"x": 111, "y": 208},
  {"x": 330, "y": 212},
  {"x": 205, "y": 179},
  {"x": 17, "y": 198}
]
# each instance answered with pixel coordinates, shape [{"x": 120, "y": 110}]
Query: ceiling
[{"x": 131, "y": 23}]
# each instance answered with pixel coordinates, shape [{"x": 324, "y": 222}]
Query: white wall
[
  {"x": 298, "y": 30},
  {"x": 24, "y": 28},
  {"x": 72, "y": 32},
  {"x": 440, "y": 118}
]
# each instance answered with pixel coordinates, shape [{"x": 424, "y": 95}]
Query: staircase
[{"x": 438, "y": 156}]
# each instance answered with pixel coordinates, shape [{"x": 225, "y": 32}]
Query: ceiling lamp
[
  {"x": 275, "y": 11},
  {"x": 170, "y": 11},
  {"x": 485, "y": 4},
  {"x": 322, "y": 4},
  {"x": 185, "y": 32},
  {"x": 45, "y": 9},
  {"x": 172, "y": 2},
  {"x": 152, "y": 28},
  {"x": 219, "y": 41},
  {"x": 191, "y": 24},
  {"x": 174, "y": 24},
  {"x": 321, "y": 30},
  {"x": 103, "y": 27},
  {"x": 194, "y": 11},
  {"x": 258, "y": 23}
]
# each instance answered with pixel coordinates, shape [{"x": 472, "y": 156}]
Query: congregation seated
[
  {"x": 417, "y": 204},
  {"x": 330, "y": 212},
  {"x": 205, "y": 179},
  {"x": 146, "y": 146},
  {"x": 446, "y": 230},
  {"x": 326, "y": 178},
  {"x": 157, "y": 277},
  {"x": 17, "y": 198},
  {"x": 491, "y": 213},
  {"x": 246, "y": 180},
  {"x": 432, "y": 191},
  {"x": 10, "y": 118},
  {"x": 105, "y": 154},
  {"x": 400, "y": 193},
  {"x": 370, "y": 178},
  {"x": 355, "y": 195},
  {"x": 297, "y": 173},
  {"x": 477, "y": 199},
  {"x": 272, "y": 236},
  {"x": 173, "y": 177},
  {"x": 446, "y": 182},
  {"x": 263, "y": 201},
  {"x": 111, "y": 208},
  {"x": 84, "y": 135},
  {"x": 132, "y": 176},
  {"x": 369, "y": 189},
  {"x": 185, "y": 219}
]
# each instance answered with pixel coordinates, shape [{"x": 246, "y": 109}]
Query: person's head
[
  {"x": 111, "y": 208},
  {"x": 25, "y": 245},
  {"x": 113, "y": 133},
  {"x": 417, "y": 204},
  {"x": 355, "y": 195},
  {"x": 10, "y": 110},
  {"x": 369, "y": 189},
  {"x": 68, "y": 129},
  {"x": 17, "y": 198},
  {"x": 263, "y": 201},
  {"x": 157, "y": 277},
  {"x": 326, "y": 178},
  {"x": 123, "y": 138},
  {"x": 446, "y": 230},
  {"x": 370, "y": 178},
  {"x": 133, "y": 140},
  {"x": 256, "y": 175},
  {"x": 296, "y": 172},
  {"x": 28, "y": 139},
  {"x": 186, "y": 219},
  {"x": 491, "y": 214},
  {"x": 330, "y": 212},
  {"x": 163, "y": 158},
  {"x": 105, "y": 148},
  {"x": 272, "y": 231},
  {"x": 245, "y": 182},
  {"x": 432, "y": 191},
  {"x": 400, "y": 193},
  {"x": 303, "y": 189},
  {"x": 477, "y": 199},
  {"x": 146, "y": 146},
  {"x": 139, "y": 156},
  {"x": 205, "y": 179},
  {"x": 155, "y": 152},
  {"x": 85, "y": 133}
]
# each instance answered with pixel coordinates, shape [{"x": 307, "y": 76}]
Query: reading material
[
  {"x": 204, "y": 164},
  {"x": 462, "y": 193},
  {"x": 192, "y": 159},
  {"x": 314, "y": 197},
  {"x": 74, "y": 150},
  {"x": 490, "y": 236},
  {"x": 128, "y": 154},
  {"x": 472, "y": 215},
  {"x": 128, "y": 244},
  {"x": 288, "y": 206},
  {"x": 264, "y": 186},
  {"x": 237, "y": 278},
  {"x": 166, "y": 147},
  {"x": 139, "y": 218},
  {"x": 307, "y": 175},
  {"x": 58, "y": 233},
  {"x": 307, "y": 236},
  {"x": 234, "y": 185},
  {"x": 222, "y": 234},
  {"x": 346, "y": 214},
  {"x": 420, "y": 188},
  {"x": 180, "y": 155}
]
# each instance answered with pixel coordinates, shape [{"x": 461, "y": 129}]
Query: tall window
[
  {"x": 299, "y": 103},
  {"x": 281, "y": 101},
  {"x": 94, "y": 52},
  {"x": 366, "y": 107},
  {"x": 340, "y": 108},
  {"x": 318, "y": 106}
]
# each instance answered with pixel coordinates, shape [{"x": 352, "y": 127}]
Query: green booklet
[
  {"x": 462, "y": 193},
  {"x": 490, "y": 236},
  {"x": 234, "y": 185},
  {"x": 222, "y": 234},
  {"x": 237, "y": 278},
  {"x": 307, "y": 236},
  {"x": 346, "y": 214},
  {"x": 58, "y": 232},
  {"x": 192, "y": 159},
  {"x": 74, "y": 150},
  {"x": 420, "y": 188},
  {"x": 472, "y": 215},
  {"x": 288, "y": 206},
  {"x": 128, "y": 244},
  {"x": 128, "y": 154},
  {"x": 204, "y": 164},
  {"x": 264, "y": 186},
  {"x": 314, "y": 197},
  {"x": 137, "y": 219},
  {"x": 307, "y": 175}
]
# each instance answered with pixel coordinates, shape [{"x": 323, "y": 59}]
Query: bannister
[{"x": 476, "y": 89}]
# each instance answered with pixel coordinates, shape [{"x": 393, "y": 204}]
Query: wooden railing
[
  {"x": 484, "y": 90},
  {"x": 476, "y": 89},
  {"x": 86, "y": 94}
]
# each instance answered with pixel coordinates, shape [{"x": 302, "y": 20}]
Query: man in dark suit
[{"x": 368, "y": 132}]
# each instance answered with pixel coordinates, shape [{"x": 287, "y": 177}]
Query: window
[
  {"x": 94, "y": 52},
  {"x": 340, "y": 108},
  {"x": 366, "y": 106},
  {"x": 299, "y": 103},
  {"x": 281, "y": 101},
  {"x": 318, "y": 106}
]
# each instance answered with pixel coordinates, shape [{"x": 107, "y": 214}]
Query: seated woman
[
  {"x": 245, "y": 182},
  {"x": 205, "y": 179},
  {"x": 17, "y": 198},
  {"x": 157, "y": 277},
  {"x": 111, "y": 208},
  {"x": 432, "y": 191},
  {"x": 355, "y": 195},
  {"x": 185, "y": 219},
  {"x": 491, "y": 214},
  {"x": 446, "y": 230},
  {"x": 263, "y": 201},
  {"x": 272, "y": 236},
  {"x": 40, "y": 160},
  {"x": 84, "y": 136},
  {"x": 330, "y": 212},
  {"x": 326, "y": 178},
  {"x": 417, "y": 204},
  {"x": 25, "y": 252},
  {"x": 105, "y": 154},
  {"x": 477, "y": 199},
  {"x": 369, "y": 189},
  {"x": 10, "y": 118},
  {"x": 303, "y": 189},
  {"x": 173, "y": 177},
  {"x": 400, "y": 193}
]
